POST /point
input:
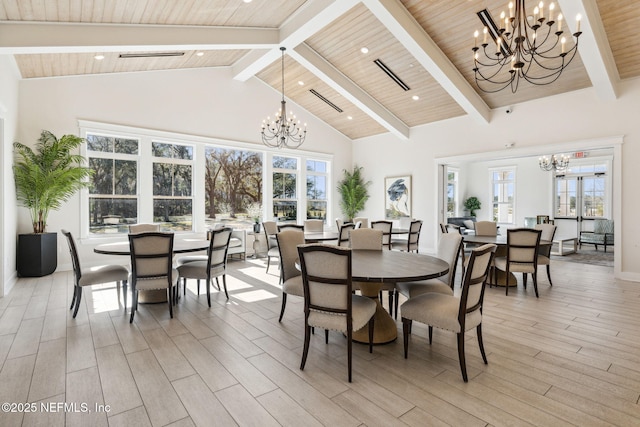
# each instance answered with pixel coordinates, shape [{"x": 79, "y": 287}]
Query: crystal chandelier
[
  {"x": 283, "y": 131},
  {"x": 556, "y": 164},
  {"x": 522, "y": 48}
]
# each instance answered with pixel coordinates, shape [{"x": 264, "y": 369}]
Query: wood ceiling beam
[
  {"x": 53, "y": 37},
  {"x": 319, "y": 66},
  {"x": 404, "y": 27},
  {"x": 593, "y": 48},
  {"x": 315, "y": 15}
]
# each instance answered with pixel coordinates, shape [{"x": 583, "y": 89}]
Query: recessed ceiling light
[
  {"x": 200, "y": 53},
  {"x": 349, "y": 118},
  {"x": 99, "y": 57},
  {"x": 300, "y": 82},
  {"x": 247, "y": 1},
  {"x": 415, "y": 97},
  {"x": 364, "y": 50}
]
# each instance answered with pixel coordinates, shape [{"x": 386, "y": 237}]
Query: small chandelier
[
  {"x": 522, "y": 48},
  {"x": 556, "y": 164},
  {"x": 283, "y": 131}
]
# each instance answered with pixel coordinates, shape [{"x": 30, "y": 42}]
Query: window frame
[{"x": 503, "y": 182}]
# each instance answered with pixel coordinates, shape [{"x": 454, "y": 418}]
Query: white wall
[
  {"x": 9, "y": 77},
  {"x": 203, "y": 102},
  {"x": 565, "y": 118}
]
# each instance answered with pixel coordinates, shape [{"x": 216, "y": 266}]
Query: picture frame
[{"x": 397, "y": 197}]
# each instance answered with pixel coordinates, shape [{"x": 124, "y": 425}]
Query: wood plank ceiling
[{"x": 426, "y": 43}]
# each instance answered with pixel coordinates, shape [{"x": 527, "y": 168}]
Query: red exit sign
[{"x": 580, "y": 154}]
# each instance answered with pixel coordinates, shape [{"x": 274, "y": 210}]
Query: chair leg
[
  {"x": 124, "y": 289},
  {"x": 208, "y": 285},
  {"x": 184, "y": 286},
  {"x": 549, "y": 274},
  {"x": 535, "y": 282},
  {"x": 391, "y": 303},
  {"x": 395, "y": 304},
  {"x": 134, "y": 303},
  {"x": 170, "y": 291},
  {"x": 371, "y": 325},
  {"x": 224, "y": 283},
  {"x": 305, "y": 349},
  {"x": 430, "y": 334},
  {"x": 268, "y": 263},
  {"x": 73, "y": 299},
  {"x": 78, "y": 300},
  {"x": 506, "y": 292},
  {"x": 479, "y": 333},
  {"x": 326, "y": 336},
  {"x": 463, "y": 364},
  {"x": 524, "y": 279},
  {"x": 349, "y": 349},
  {"x": 217, "y": 283},
  {"x": 284, "y": 303},
  {"x": 406, "y": 329}
]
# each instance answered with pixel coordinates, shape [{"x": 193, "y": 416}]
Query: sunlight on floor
[{"x": 254, "y": 296}]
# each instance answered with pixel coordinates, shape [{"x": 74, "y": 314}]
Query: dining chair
[
  {"x": 93, "y": 276},
  {"x": 152, "y": 266},
  {"x": 345, "y": 234},
  {"x": 314, "y": 225},
  {"x": 449, "y": 248},
  {"x": 288, "y": 241},
  {"x": 213, "y": 266},
  {"x": 364, "y": 222},
  {"x": 339, "y": 223},
  {"x": 143, "y": 228},
  {"x": 386, "y": 227},
  {"x": 270, "y": 230},
  {"x": 522, "y": 256},
  {"x": 547, "y": 233},
  {"x": 450, "y": 312},
  {"x": 411, "y": 243},
  {"x": 328, "y": 299},
  {"x": 486, "y": 228}
]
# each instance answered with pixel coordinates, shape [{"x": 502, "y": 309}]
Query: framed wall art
[{"x": 397, "y": 197}]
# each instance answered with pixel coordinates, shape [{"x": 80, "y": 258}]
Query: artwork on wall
[{"x": 397, "y": 197}]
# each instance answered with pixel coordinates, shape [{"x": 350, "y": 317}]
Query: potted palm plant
[
  {"x": 46, "y": 176},
  {"x": 353, "y": 192}
]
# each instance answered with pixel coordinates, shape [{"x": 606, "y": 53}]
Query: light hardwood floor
[{"x": 571, "y": 357}]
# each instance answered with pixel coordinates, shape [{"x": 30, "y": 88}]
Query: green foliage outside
[
  {"x": 353, "y": 192},
  {"x": 49, "y": 175}
]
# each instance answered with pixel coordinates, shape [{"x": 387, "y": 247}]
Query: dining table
[
  {"x": 319, "y": 236},
  {"x": 372, "y": 268},
  {"x": 179, "y": 247}
]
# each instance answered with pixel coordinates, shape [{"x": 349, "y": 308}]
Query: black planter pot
[
  {"x": 37, "y": 254},
  {"x": 256, "y": 227}
]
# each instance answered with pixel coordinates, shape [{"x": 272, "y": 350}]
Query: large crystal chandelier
[
  {"x": 283, "y": 131},
  {"x": 522, "y": 48},
  {"x": 555, "y": 164}
]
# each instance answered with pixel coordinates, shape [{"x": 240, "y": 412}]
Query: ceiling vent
[
  {"x": 150, "y": 55},
  {"x": 391, "y": 74},
  {"x": 329, "y": 103}
]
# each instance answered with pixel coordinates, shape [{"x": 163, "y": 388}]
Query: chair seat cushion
[
  {"x": 363, "y": 309},
  {"x": 293, "y": 286},
  {"x": 198, "y": 270},
  {"x": 234, "y": 242},
  {"x": 104, "y": 274},
  {"x": 413, "y": 289},
  {"x": 543, "y": 260},
  {"x": 438, "y": 310},
  {"x": 274, "y": 252},
  {"x": 514, "y": 267},
  {"x": 190, "y": 258},
  {"x": 156, "y": 283}
]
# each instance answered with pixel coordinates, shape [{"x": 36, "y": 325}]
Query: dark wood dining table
[{"x": 319, "y": 236}]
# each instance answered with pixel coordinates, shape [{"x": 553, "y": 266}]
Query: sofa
[
  {"x": 602, "y": 234},
  {"x": 460, "y": 222}
]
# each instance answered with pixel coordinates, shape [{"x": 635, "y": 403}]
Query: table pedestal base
[
  {"x": 384, "y": 327},
  {"x": 502, "y": 279}
]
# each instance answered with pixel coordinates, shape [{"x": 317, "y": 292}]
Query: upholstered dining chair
[
  {"x": 449, "y": 248},
  {"x": 152, "y": 266},
  {"x": 93, "y": 276},
  {"x": 328, "y": 299},
  {"x": 386, "y": 227},
  {"x": 287, "y": 226},
  {"x": 314, "y": 225},
  {"x": 452, "y": 313},
  {"x": 339, "y": 223},
  {"x": 364, "y": 222},
  {"x": 143, "y": 228},
  {"x": 213, "y": 266},
  {"x": 345, "y": 234},
  {"x": 411, "y": 243},
  {"x": 547, "y": 233},
  {"x": 270, "y": 230},
  {"x": 288, "y": 241},
  {"x": 486, "y": 228},
  {"x": 522, "y": 256}
]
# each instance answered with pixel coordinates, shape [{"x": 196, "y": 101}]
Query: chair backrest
[
  {"x": 345, "y": 234},
  {"x": 75, "y": 260},
  {"x": 548, "y": 231},
  {"x": 386, "y": 227},
  {"x": 486, "y": 228},
  {"x": 443, "y": 228},
  {"x": 366, "y": 238},
  {"x": 339, "y": 223},
  {"x": 522, "y": 246},
  {"x": 603, "y": 226},
  {"x": 449, "y": 248},
  {"x": 326, "y": 280},
  {"x": 218, "y": 247},
  {"x": 282, "y": 227},
  {"x": 288, "y": 241},
  {"x": 364, "y": 222},
  {"x": 143, "y": 228},
  {"x": 314, "y": 225},
  {"x": 270, "y": 230},
  {"x": 151, "y": 256},
  {"x": 475, "y": 277},
  {"x": 414, "y": 235}
]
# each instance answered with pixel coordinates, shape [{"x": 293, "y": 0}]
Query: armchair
[{"x": 602, "y": 234}]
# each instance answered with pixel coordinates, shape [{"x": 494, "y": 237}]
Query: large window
[
  {"x": 317, "y": 174},
  {"x": 285, "y": 183},
  {"x": 583, "y": 191},
  {"x": 503, "y": 187},
  {"x": 452, "y": 192}
]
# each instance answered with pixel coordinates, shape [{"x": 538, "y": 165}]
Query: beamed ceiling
[{"x": 426, "y": 43}]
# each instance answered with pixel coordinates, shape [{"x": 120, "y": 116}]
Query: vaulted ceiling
[{"x": 426, "y": 43}]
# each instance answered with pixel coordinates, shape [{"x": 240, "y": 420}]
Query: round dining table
[
  {"x": 319, "y": 236},
  {"x": 372, "y": 268}
]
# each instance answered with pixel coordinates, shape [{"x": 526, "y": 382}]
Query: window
[
  {"x": 317, "y": 190},
  {"x": 584, "y": 190},
  {"x": 172, "y": 186},
  {"x": 503, "y": 187},
  {"x": 285, "y": 182},
  {"x": 452, "y": 192},
  {"x": 113, "y": 198}
]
